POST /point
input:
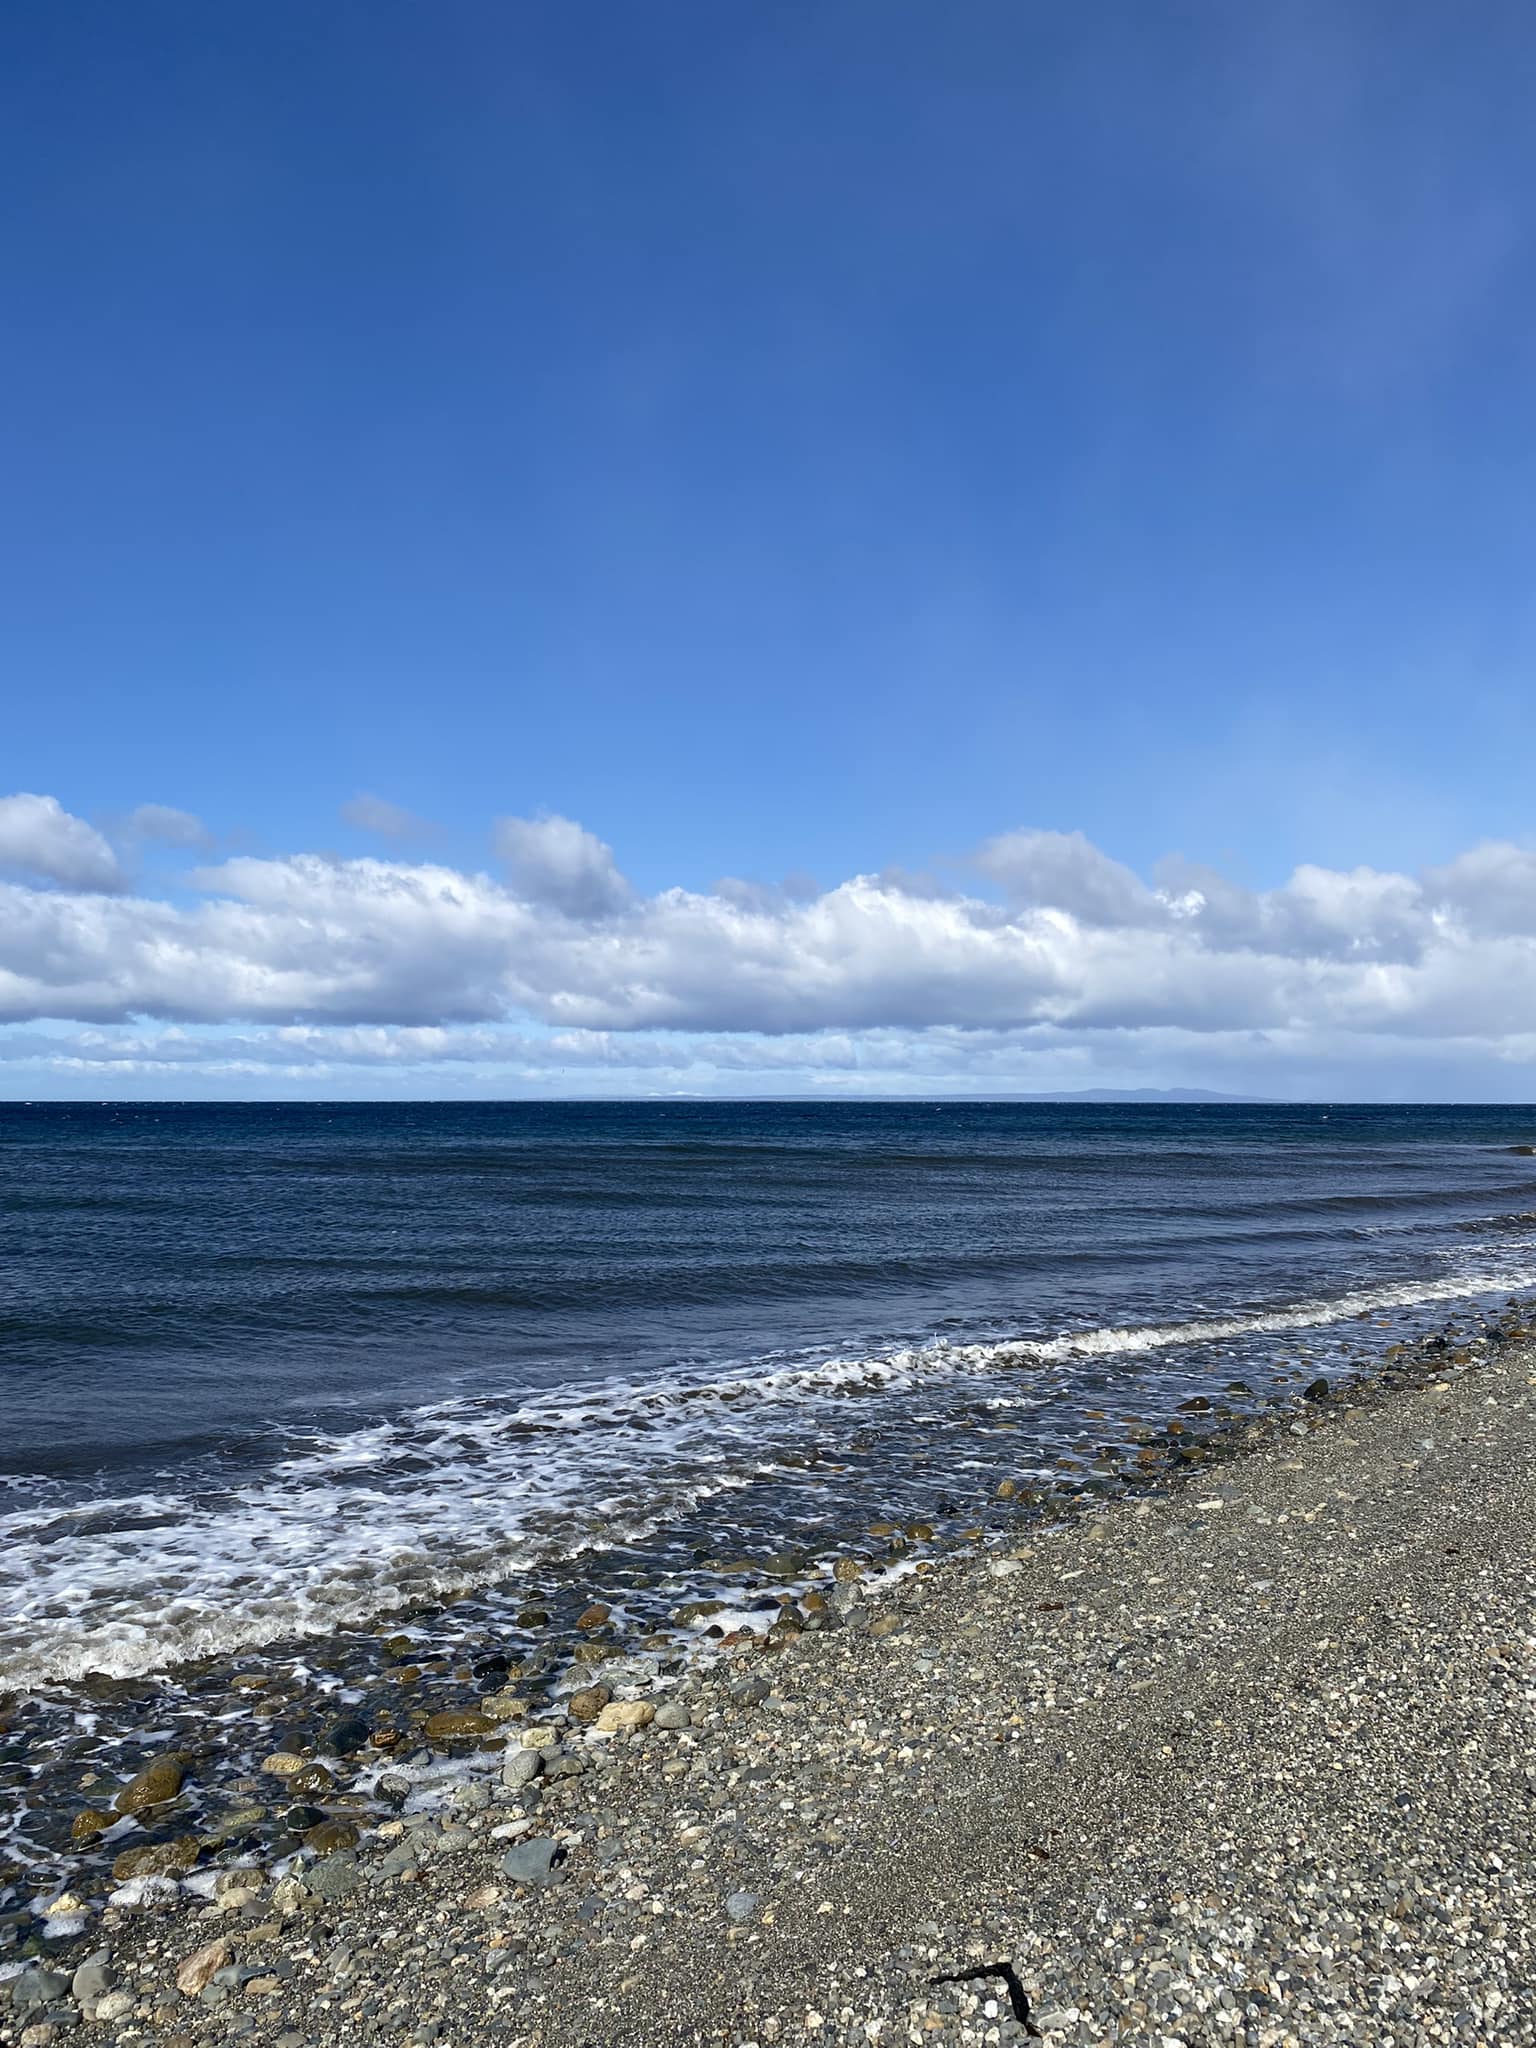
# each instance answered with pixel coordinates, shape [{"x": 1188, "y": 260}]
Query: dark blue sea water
[{"x": 271, "y": 1371}]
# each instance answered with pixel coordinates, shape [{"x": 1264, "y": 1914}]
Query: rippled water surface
[{"x": 273, "y": 1371}]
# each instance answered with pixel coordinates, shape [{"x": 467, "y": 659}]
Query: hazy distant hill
[{"x": 1136, "y": 1095}]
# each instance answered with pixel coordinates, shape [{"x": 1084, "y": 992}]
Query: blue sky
[{"x": 809, "y": 441}]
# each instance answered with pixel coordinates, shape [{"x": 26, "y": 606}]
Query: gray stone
[
  {"x": 37, "y": 1986},
  {"x": 93, "y": 1979},
  {"x": 673, "y": 1714},
  {"x": 741, "y": 1906},
  {"x": 521, "y": 1768},
  {"x": 333, "y": 1877},
  {"x": 532, "y": 1862}
]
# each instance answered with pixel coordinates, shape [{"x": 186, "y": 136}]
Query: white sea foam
[{"x": 468, "y": 1494}]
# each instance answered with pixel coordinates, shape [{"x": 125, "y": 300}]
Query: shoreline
[{"x": 1280, "y": 1700}]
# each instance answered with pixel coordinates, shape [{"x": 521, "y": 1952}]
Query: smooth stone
[
  {"x": 587, "y": 1704},
  {"x": 196, "y": 1971},
  {"x": 329, "y": 1836},
  {"x": 521, "y": 1767},
  {"x": 532, "y": 1862},
  {"x": 344, "y": 1737},
  {"x": 622, "y": 1714},
  {"x": 155, "y": 1784},
  {"x": 93, "y": 1979},
  {"x": 673, "y": 1714},
  {"x": 37, "y": 1986},
  {"x": 741, "y": 1906},
  {"x": 456, "y": 1726}
]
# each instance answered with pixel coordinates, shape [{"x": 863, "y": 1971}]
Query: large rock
[
  {"x": 532, "y": 1862},
  {"x": 587, "y": 1704},
  {"x": 334, "y": 1877},
  {"x": 37, "y": 1986},
  {"x": 196, "y": 1972},
  {"x": 624, "y": 1714},
  {"x": 93, "y": 1980},
  {"x": 520, "y": 1768},
  {"x": 329, "y": 1836},
  {"x": 459, "y": 1725},
  {"x": 345, "y": 1737},
  {"x": 156, "y": 1859},
  {"x": 156, "y": 1783}
]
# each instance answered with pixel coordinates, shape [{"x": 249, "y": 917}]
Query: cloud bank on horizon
[{"x": 1049, "y": 965}]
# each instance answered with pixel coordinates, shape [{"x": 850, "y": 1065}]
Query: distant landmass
[
  {"x": 1135, "y": 1095},
  {"x": 1190, "y": 1096}
]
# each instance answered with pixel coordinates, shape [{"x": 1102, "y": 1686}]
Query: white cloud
[
  {"x": 309, "y": 965},
  {"x": 166, "y": 826},
  {"x": 39, "y": 837},
  {"x": 369, "y": 813},
  {"x": 1066, "y": 871},
  {"x": 554, "y": 861}
]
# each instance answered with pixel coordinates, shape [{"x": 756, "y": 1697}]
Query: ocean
[{"x": 278, "y": 1380}]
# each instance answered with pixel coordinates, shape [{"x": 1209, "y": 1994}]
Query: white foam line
[{"x": 334, "y": 1539}]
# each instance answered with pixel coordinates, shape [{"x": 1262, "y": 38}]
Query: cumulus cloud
[
  {"x": 166, "y": 826},
  {"x": 1066, "y": 871},
  {"x": 369, "y": 813},
  {"x": 554, "y": 861},
  {"x": 307, "y": 963},
  {"x": 39, "y": 837}
]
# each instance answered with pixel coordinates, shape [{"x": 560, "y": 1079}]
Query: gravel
[{"x": 1248, "y": 1759}]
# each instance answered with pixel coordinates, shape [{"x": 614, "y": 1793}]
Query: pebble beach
[{"x": 1245, "y": 1756}]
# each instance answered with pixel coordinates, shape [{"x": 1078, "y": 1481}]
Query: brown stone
[
  {"x": 458, "y": 1725},
  {"x": 331, "y": 1834},
  {"x": 196, "y": 1972},
  {"x": 596, "y": 1616},
  {"x": 885, "y": 1625},
  {"x": 156, "y": 1783},
  {"x": 157, "y": 1859},
  {"x": 85, "y": 1827},
  {"x": 587, "y": 1704},
  {"x": 847, "y": 1569},
  {"x": 625, "y": 1714}
]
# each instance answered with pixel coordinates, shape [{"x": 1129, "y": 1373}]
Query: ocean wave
[{"x": 467, "y": 1494}]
